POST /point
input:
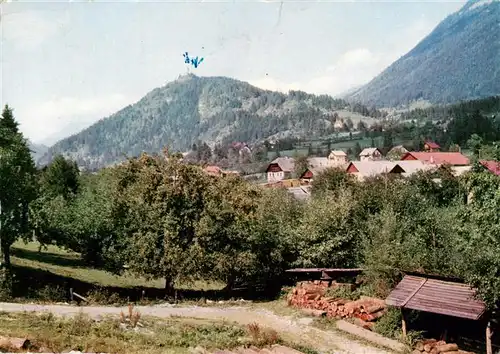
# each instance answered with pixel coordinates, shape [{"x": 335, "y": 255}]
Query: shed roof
[
  {"x": 301, "y": 193},
  {"x": 436, "y": 296},
  {"x": 328, "y": 270}
]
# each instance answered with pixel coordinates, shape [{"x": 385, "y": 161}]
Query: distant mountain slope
[
  {"x": 37, "y": 150},
  {"x": 210, "y": 109},
  {"x": 459, "y": 60}
]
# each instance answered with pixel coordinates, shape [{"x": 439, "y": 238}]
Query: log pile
[
  {"x": 311, "y": 298},
  {"x": 433, "y": 346}
]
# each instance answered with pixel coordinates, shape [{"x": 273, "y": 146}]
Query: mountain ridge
[
  {"x": 215, "y": 110},
  {"x": 459, "y": 60}
]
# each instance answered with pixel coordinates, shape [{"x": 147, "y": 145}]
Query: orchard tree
[
  {"x": 161, "y": 201},
  {"x": 58, "y": 184},
  {"x": 224, "y": 231},
  {"x": 328, "y": 234},
  {"x": 480, "y": 236},
  {"x": 333, "y": 180},
  {"x": 17, "y": 183}
]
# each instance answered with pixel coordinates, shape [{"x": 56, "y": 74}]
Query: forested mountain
[
  {"x": 458, "y": 60},
  {"x": 209, "y": 109}
]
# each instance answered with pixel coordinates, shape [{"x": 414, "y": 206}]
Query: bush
[{"x": 389, "y": 325}]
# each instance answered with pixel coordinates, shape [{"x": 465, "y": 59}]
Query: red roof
[
  {"x": 438, "y": 158},
  {"x": 432, "y": 145},
  {"x": 213, "y": 170},
  {"x": 492, "y": 166}
]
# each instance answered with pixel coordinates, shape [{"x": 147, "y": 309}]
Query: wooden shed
[{"x": 439, "y": 297}]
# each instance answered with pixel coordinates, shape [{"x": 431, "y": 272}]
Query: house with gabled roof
[
  {"x": 337, "y": 158},
  {"x": 280, "y": 168},
  {"x": 408, "y": 167},
  {"x": 366, "y": 169},
  {"x": 397, "y": 151},
  {"x": 320, "y": 164},
  {"x": 438, "y": 158},
  {"x": 431, "y": 146},
  {"x": 370, "y": 154}
]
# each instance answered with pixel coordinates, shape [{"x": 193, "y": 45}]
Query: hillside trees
[
  {"x": 17, "y": 183},
  {"x": 60, "y": 178}
]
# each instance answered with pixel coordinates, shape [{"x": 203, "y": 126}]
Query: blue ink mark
[{"x": 193, "y": 61}]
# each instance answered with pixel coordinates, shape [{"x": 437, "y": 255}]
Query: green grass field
[{"x": 48, "y": 275}]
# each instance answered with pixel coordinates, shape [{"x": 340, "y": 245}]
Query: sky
[{"x": 67, "y": 64}]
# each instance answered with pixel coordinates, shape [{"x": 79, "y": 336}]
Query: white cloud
[
  {"x": 355, "y": 67},
  {"x": 67, "y": 115},
  {"x": 29, "y": 29}
]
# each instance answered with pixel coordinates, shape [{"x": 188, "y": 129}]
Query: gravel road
[{"x": 297, "y": 330}]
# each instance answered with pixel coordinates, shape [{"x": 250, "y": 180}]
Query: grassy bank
[{"x": 175, "y": 335}]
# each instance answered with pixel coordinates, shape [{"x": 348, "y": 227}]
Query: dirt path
[{"x": 296, "y": 330}]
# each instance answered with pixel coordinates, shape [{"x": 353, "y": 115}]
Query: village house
[
  {"x": 397, "y": 151},
  {"x": 437, "y": 158},
  {"x": 309, "y": 174},
  {"x": 280, "y": 168},
  {"x": 366, "y": 169},
  {"x": 430, "y": 146},
  {"x": 317, "y": 165},
  {"x": 337, "y": 158},
  {"x": 370, "y": 154},
  {"x": 213, "y": 170},
  {"x": 408, "y": 167}
]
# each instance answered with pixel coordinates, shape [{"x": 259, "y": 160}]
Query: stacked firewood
[
  {"x": 433, "y": 346},
  {"x": 310, "y": 296}
]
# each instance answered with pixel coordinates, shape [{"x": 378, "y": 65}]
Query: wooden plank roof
[
  {"x": 436, "y": 296},
  {"x": 326, "y": 270}
]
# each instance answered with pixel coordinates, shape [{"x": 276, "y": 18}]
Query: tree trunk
[
  {"x": 5, "y": 273},
  {"x": 169, "y": 286},
  {"x": 230, "y": 283},
  {"x": 6, "y": 256}
]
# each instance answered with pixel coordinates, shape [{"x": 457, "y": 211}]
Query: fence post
[{"x": 71, "y": 294}]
